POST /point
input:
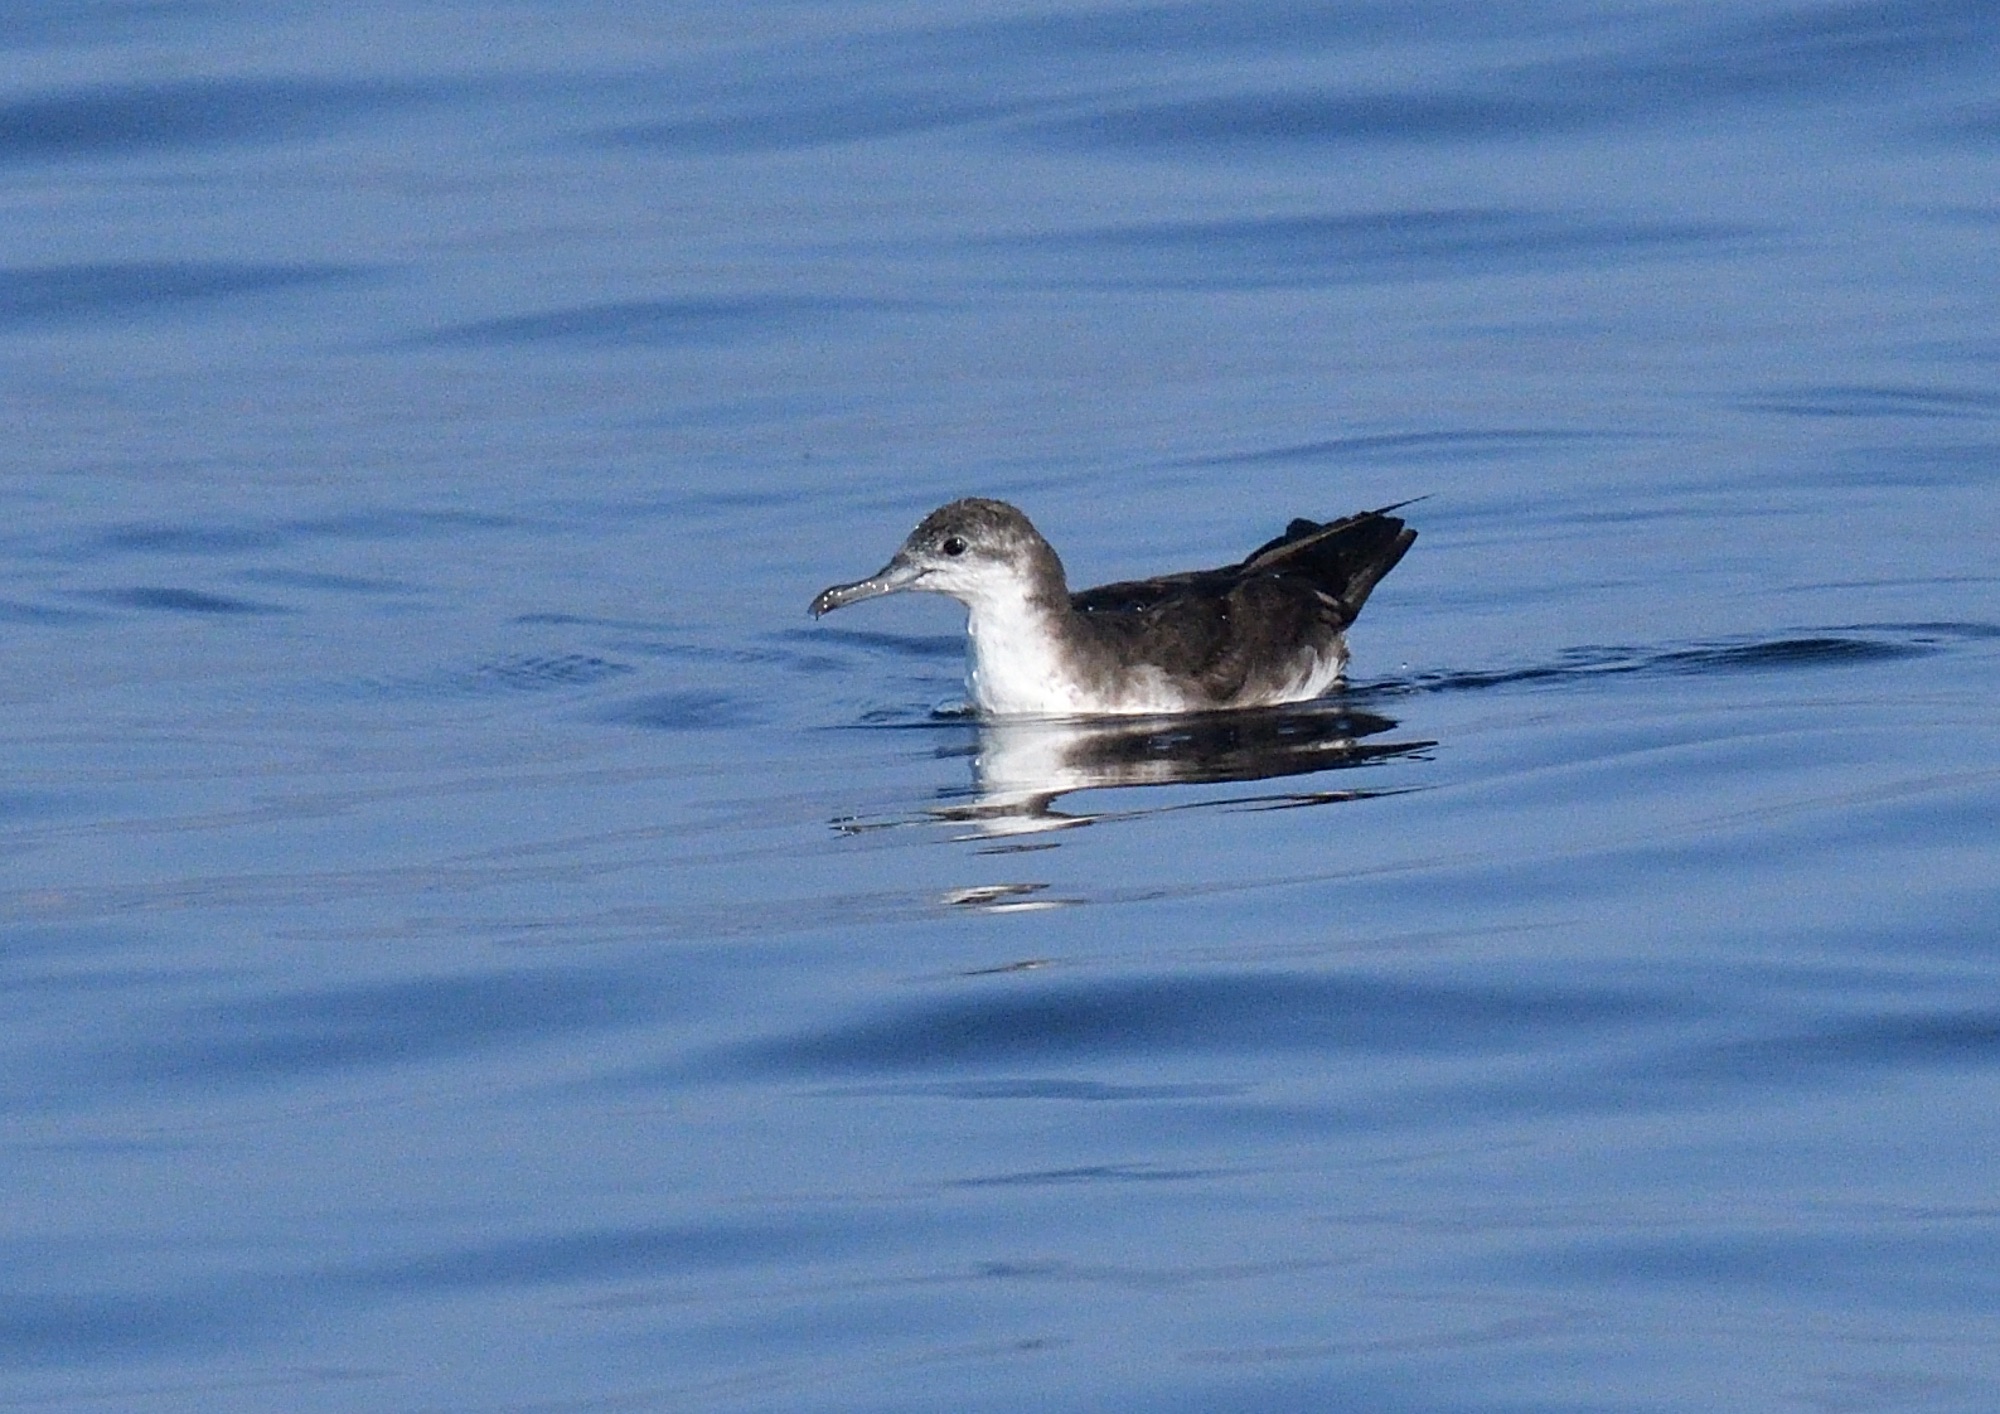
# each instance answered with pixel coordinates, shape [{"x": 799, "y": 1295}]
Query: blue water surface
[{"x": 468, "y": 942}]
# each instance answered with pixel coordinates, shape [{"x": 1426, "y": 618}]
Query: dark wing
[
  {"x": 1343, "y": 559},
  {"x": 1222, "y": 632},
  {"x": 1136, "y": 596},
  {"x": 1228, "y": 628}
]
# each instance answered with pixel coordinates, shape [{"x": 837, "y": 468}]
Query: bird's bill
[{"x": 898, "y": 574}]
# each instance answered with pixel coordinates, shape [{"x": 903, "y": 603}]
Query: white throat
[{"x": 1017, "y": 667}]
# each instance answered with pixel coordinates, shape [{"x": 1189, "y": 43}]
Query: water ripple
[
  {"x": 536, "y": 672},
  {"x": 172, "y": 600},
  {"x": 1234, "y": 120},
  {"x": 684, "y": 711},
  {"x": 287, "y": 1035},
  {"x": 1454, "y": 447},
  {"x": 223, "y": 538},
  {"x": 49, "y": 1328},
  {"x": 86, "y": 21},
  {"x": 1828, "y": 52},
  {"x": 1947, "y": 1267},
  {"x": 716, "y": 319},
  {"x": 52, "y": 1328},
  {"x": 55, "y": 294},
  {"x": 124, "y": 119},
  {"x": 812, "y": 120},
  {"x": 1866, "y": 401},
  {"x": 1322, "y": 248},
  {"x": 1886, "y": 643},
  {"x": 1248, "y": 1013},
  {"x": 609, "y": 1254},
  {"x": 1895, "y": 1040}
]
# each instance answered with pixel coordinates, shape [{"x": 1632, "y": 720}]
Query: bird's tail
[{"x": 1345, "y": 559}]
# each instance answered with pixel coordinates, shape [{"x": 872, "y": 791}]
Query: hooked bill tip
[
  {"x": 892, "y": 577},
  {"x": 827, "y": 600}
]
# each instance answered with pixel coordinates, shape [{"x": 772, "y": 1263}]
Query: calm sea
[{"x": 469, "y": 943}]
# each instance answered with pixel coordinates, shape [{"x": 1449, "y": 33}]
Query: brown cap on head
[{"x": 962, "y": 549}]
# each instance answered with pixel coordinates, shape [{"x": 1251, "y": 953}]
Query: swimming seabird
[{"x": 1267, "y": 630}]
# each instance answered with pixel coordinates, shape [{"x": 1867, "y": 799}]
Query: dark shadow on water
[
  {"x": 394, "y": 524},
  {"x": 1212, "y": 1014},
  {"x": 1821, "y": 1055},
  {"x": 15, "y": 611},
  {"x": 156, "y": 539},
  {"x": 223, "y": 539},
  {"x": 536, "y": 672},
  {"x": 1262, "y": 119},
  {"x": 664, "y": 322},
  {"x": 523, "y": 673},
  {"x": 53, "y": 1329},
  {"x": 1202, "y": 27},
  {"x": 181, "y": 601},
  {"x": 1863, "y": 401},
  {"x": 124, "y": 119},
  {"x": 1045, "y": 1088},
  {"x": 1977, "y": 122},
  {"x": 56, "y": 294},
  {"x": 684, "y": 711},
  {"x": 327, "y": 583},
  {"x": 1091, "y": 1173},
  {"x": 1882, "y": 643},
  {"x": 1906, "y": 462},
  {"x": 1343, "y": 247}
]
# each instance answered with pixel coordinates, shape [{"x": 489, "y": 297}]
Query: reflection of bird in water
[
  {"x": 1266, "y": 631},
  {"x": 1023, "y": 767}
]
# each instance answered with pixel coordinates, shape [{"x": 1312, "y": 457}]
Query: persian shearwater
[{"x": 1267, "y": 630}]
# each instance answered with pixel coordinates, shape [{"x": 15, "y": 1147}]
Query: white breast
[{"x": 1017, "y": 669}]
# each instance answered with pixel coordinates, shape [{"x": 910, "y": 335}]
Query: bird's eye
[{"x": 954, "y": 546}]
